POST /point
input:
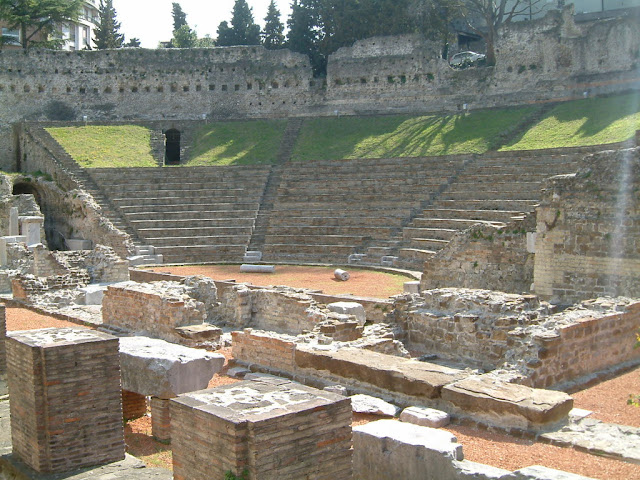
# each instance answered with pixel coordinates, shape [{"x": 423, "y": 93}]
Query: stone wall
[
  {"x": 379, "y": 75},
  {"x": 588, "y": 231},
  {"x": 482, "y": 256},
  {"x": 158, "y": 309}
]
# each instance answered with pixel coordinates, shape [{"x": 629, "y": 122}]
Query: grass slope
[
  {"x": 404, "y": 136},
  {"x": 97, "y": 146},
  {"x": 237, "y": 143},
  {"x": 592, "y": 121}
]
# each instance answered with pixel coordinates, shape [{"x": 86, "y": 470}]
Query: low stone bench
[{"x": 507, "y": 404}]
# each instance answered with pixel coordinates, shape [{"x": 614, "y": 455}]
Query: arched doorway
[{"x": 172, "y": 147}]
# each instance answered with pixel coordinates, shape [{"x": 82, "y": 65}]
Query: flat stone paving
[
  {"x": 594, "y": 436},
  {"x": 129, "y": 468}
]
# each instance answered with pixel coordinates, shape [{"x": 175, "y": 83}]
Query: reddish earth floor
[
  {"x": 607, "y": 400},
  {"x": 363, "y": 283}
]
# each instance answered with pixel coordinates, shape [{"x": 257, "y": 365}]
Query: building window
[{"x": 10, "y": 37}]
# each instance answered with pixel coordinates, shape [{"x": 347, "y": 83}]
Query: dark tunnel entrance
[{"x": 172, "y": 147}]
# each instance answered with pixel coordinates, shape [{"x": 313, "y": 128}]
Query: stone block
[
  {"x": 3, "y": 336},
  {"x": 411, "y": 287},
  {"x": 389, "y": 372},
  {"x": 373, "y": 406},
  {"x": 247, "y": 268},
  {"x": 507, "y": 404},
  {"x": 390, "y": 449},
  {"x": 157, "y": 368},
  {"x": 78, "y": 244},
  {"x": 93, "y": 294},
  {"x": 350, "y": 308},
  {"x": 14, "y": 227},
  {"x": 425, "y": 417},
  {"x": 66, "y": 402},
  {"x": 272, "y": 429},
  {"x": 337, "y": 389},
  {"x": 30, "y": 227},
  {"x": 341, "y": 275}
]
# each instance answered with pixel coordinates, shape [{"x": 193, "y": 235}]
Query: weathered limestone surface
[
  {"x": 372, "y": 405},
  {"x": 349, "y": 308},
  {"x": 157, "y": 368},
  {"x": 3, "y": 336},
  {"x": 396, "y": 374},
  {"x": 274, "y": 428},
  {"x": 507, "y": 404},
  {"x": 425, "y": 417}
]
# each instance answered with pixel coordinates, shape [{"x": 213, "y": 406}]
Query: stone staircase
[
  {"x": 493, "y": 189},
  {"x": 349, "y": 210},
  {"x": 144, "y": 253},
  {"x": 190, "y": 215}
]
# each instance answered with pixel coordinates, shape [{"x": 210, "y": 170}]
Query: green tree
[
  {"x": 243, "y": 30},
  {"x": 272, "y": 35},
  {"x": 184, "y": 37},
  {"x": 133, "y": 43},
  {"x": 434, "y": 18},
  {"x": 305, "y": 32},
  {"x": 487, "y": 17},
  {"x": 206, "y": 42},
  {"x": 107, "y": 33},
  {"x": 179, "y": 17},
  {"x": 37, "y": 20}
]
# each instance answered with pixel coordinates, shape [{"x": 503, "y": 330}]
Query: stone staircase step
[
  {"x": 490, "y": 215},
  {"x": 409, "y": 233},
  {"x": 194, "y": 231},
  {"x": 315, "y": 239},
  {"x": 159, "y": 242},
  {"x": 451, "y": 223}
]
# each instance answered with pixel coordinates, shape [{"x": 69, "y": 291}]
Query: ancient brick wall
[
  {"x": 3, "y": 336},
  {"x": 152, "y": 308},
  {"x": 593, "y": 342},
  {"x": 588, "y": 231},
  {"x": 273, "y": 351},
  {"x": 379, "y": 75},
  {"x": 66, "y": 405}
]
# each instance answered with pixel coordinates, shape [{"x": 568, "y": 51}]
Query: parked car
[{"x": 467, "y": 59}]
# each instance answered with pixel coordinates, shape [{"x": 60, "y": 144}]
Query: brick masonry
[
  {"x": 134, "y": 405},
  {"x": 3, "y": 335},
  {"x": 160, "y": 419},
  {"x": 273, "y": 429},
  {"x": 66, "y": 404}
]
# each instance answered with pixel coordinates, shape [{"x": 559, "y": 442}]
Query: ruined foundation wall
[
  {"x": 586, "y": 346},
  {"x": 588, "y": 232},
  {"x": 481, "y": 256}
]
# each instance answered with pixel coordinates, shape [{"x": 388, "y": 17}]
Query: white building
[{"x": 79, "y": 35}]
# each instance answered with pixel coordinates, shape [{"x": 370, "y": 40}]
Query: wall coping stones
[{"x": 508, "y": 404}]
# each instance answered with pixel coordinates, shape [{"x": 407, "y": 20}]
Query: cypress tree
[
  {"x": 272, "y": 36},
  {"x": 107, "y": 33},
  {"x": 243, "y": 30}
]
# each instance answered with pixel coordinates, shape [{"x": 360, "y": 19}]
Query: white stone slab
[
  {"x": 161, "y": 369},
  {"x": 248, "y": 268},
  {"x": 349, "y": 308},
  {"x": 338, "y": 389},
  {"x": 93, "y": 293},
  {"x": 78, "y": 244},
  {"x": 411, "y": 287},
  {"x": 373, "y": 406},
  {"x": 425, "y": 417}
]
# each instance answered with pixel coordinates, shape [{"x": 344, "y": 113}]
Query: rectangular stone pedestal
[
  {"x": 66, "y": 404},
  {"x": 272, "y": 429}
]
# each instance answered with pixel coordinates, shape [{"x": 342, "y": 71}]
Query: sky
[{"x": 151, "y": 20}]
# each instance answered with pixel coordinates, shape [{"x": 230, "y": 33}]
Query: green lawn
[
  {"x": 97, "y": 146},
  {"x": 591, "y": 121},
  {"x": 404, "y": 136},
  {"x": 237, "y": 143}
]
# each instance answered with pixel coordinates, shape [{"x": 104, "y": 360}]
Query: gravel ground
[
  {"x": 364, "y": 283},
  {"x": 607, "y": 400}
]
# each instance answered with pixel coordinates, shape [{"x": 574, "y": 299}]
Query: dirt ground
[
  {"x": 607, "y": 400},
  {"x": 363, "y": 283}
]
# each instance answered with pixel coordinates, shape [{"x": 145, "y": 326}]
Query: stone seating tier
[
  {"x": 241, "y": 240},
  {"x": 188, "y": 221}
]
